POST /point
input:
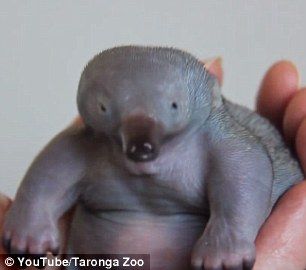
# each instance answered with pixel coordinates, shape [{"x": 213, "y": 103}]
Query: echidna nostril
[
  {"x": 147, "y": 147},
  {"x": 133, "y": 149},
  {"x": 141, "y": 151}
]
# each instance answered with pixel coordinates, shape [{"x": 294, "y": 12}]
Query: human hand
[{"x": 281, "y": 243}]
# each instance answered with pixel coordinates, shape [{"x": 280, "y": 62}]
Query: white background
[{"x": 45, "y": 44}]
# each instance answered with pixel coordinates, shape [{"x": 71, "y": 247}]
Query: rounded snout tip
[{"x": 141, "y": 151}]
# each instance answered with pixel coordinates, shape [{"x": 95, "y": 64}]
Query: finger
[
  {"x": 281, "y": 241},
  {"x": 5, "y": 202},
  {"x": 214, "y": 66},
  {"x": 279, "y": 84},
  {"x": 294, "y": 115},
  {"x": 300, "y": 144}
]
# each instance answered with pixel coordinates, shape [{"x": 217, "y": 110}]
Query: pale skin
[{"x": 281, "y": 243}]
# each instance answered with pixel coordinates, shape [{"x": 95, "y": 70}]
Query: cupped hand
[{"x": 281, "y": 243}]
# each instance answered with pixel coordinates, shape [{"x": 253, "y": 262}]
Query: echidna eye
[
  {"x": 102, "y": 107},
  {"x": 174, "y": 105}
]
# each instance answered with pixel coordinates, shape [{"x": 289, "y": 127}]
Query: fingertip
[
  {"x": 300, "y": 143},
  {"x": 5, "y": 202},
  {"x": 279, "y": 84},
  {"x": 294, "y": 115}
]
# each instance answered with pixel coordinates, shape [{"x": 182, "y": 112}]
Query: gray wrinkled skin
[{"x": 164, "y": 165}]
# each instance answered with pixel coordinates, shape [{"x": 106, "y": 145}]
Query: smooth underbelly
[{"x": 167, "y": 238}]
